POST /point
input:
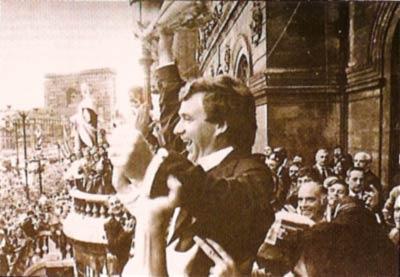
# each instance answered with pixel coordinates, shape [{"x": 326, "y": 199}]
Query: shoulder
[{"x": 246, "y": 162}]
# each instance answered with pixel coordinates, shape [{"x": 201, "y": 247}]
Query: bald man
[{"x": 364, "y": 160}]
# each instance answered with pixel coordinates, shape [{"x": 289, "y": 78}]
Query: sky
[{"x": 38, "y": 37}]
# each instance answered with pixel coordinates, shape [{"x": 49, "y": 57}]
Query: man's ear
[{"x": 221, "y": 128}]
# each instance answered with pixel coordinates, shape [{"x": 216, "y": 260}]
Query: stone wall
[
  {"x": 304, "y": 75},
  {"x": 369, "y": 77}
]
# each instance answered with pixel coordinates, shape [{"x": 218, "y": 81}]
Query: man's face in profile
[{"x": 198, "y": 134}]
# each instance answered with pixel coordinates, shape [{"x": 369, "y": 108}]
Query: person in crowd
[
  {"x": 87, "y": 169},
  {"x": 324, "y": 250},
  {"x": 312, "y": 201},
  {"x": 389, "y": 204},
  {"x": 337, "y": 155},
  {"x": 298, "y": 160},
  {"x": 98, "y": 172},
  {"x": 102, "y": 139},
  {"x": 357, "y": 188},
  {"x": 359, "y": 191},
  {"x": 282, "y": 172},
  {"x": 305, "y": 175},
  {"x": 364, "y": 160},
  {"x": 321, "y": 167},
  {"x": 227, "y": 192},
  {"x": 4, "y": 266},
  {"x": 267, "y": 151},
  {"x": 394, "y": 234},
  {"x": 336, "y": 192},
  {"x": 119, "y": 238},
  {"x": 332, "y": 249},
  {"x": 291, "y": 197},
  {"x": 107, "y": 186}
]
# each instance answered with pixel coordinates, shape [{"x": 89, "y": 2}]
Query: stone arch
[
  {"x": 241, "y": 49},
  {"x": 382, "y": 32},
  {"x": 380, "y": 51},
  {"x": 385, "y": 52}
]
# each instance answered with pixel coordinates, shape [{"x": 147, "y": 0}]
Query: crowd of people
[
  {"x": 337, "y": 188},
  {"x": 27, "y": 225},
  {"x": 90, "y": 170}
]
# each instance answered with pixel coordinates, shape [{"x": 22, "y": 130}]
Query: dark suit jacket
[
  {"x": 230, "y": 203},
  {"x": 119, "y": 241},
  {"x": 317, "y": 174},
  {"x": 371, "y": 179}
]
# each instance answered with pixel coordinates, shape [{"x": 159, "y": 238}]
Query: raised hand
[
  {"x": 372, "y": 198},
  {"x": 142, "y": 119},
  {"x": 223, "y": 263},
  {"x": 165, "y": 42}
]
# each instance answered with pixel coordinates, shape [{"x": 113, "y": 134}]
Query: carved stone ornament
[
  {"x": 256, "y": 23},
  {"x": 186, "y": 15},
  {"x": 227, "y": 58},
  {"x": 218, "y": 9},
  {"x": 220, "y": 70}
]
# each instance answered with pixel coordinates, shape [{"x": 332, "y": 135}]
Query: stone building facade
[
  {"x": 62, "y": 93},
  {"x": 322, "y": 73},
  {"x": 48, "y": 122}
]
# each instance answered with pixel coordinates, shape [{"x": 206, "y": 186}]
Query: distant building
[
  {"x": 62, "y": 93},
  {"x": 47, "y": 121}
]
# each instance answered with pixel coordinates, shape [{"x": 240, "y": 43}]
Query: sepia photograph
[{"x": 199, "y": 138}]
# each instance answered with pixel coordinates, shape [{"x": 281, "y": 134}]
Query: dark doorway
[{"x": 395, "y": 109}]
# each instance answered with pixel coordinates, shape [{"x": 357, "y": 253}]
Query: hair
[
  {"x": 344, "y": 185},
  {"x": 351, "y": 169},
  {"x": 365, "y": 155},
  {"x": 229, "y": 100},
  {"x": 321, "y": 150},
  {"x": 306, "y": 171},
  {"x": 332, "y": 249},
  {"x": 321, "y": 190}
]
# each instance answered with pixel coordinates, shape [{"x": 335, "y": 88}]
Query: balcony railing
[
  {"x": 47, "y": 247},
  {"x": 86, "y": 220},
  {"x": 88, "y": 204}
]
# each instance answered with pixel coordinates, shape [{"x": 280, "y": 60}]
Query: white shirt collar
[
  {"x": 212, "y": 160},
  {"x": 354, "y": 194}
]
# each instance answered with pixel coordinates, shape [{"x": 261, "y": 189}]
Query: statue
[{"x": 85, "y": 121}]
